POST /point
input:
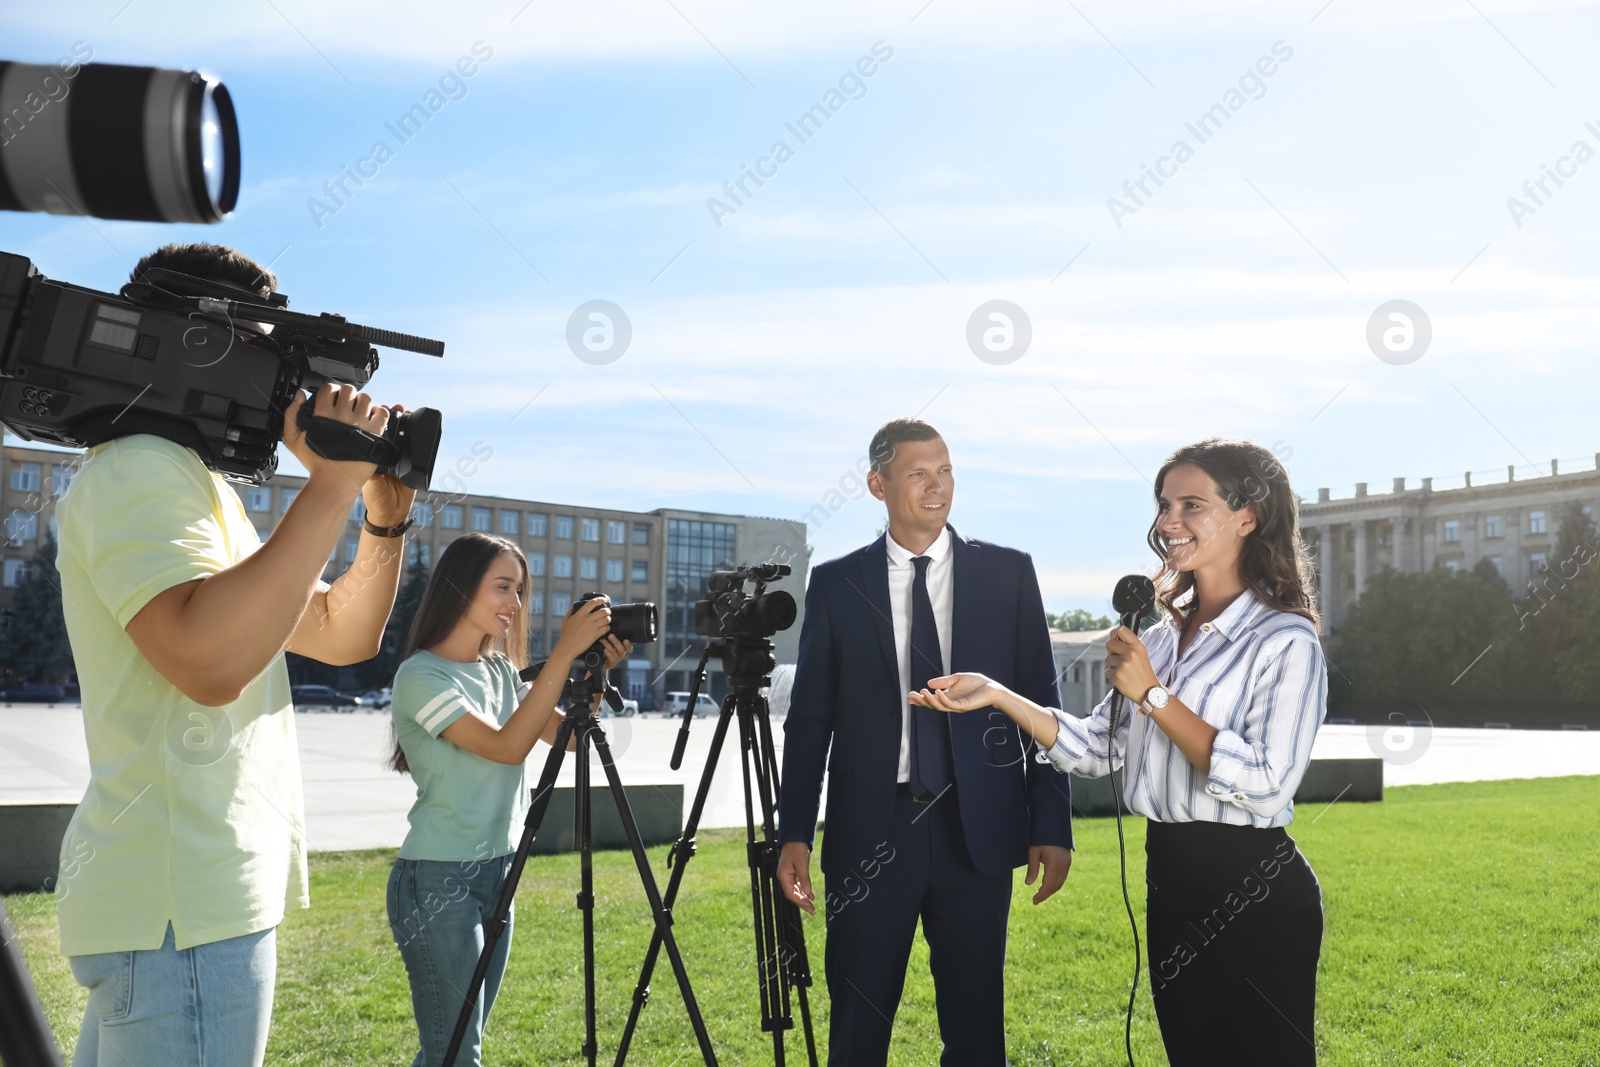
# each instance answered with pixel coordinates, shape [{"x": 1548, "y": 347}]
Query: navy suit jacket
[{"x": 846, "y": 709}]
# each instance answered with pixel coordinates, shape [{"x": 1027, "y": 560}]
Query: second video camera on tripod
[
  {"x": 733, "y": 613},
  {"x": 629, "y": 622}
]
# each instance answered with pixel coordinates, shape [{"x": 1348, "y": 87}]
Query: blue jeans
[
  {"x": 207, "y": 1006},
  {"x": 436, "y": 912}
]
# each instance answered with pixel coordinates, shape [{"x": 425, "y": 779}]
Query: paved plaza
[{"x": 352, "y": 801}]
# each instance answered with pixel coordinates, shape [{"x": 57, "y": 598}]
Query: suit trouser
[{"x": 873, "y": 905}]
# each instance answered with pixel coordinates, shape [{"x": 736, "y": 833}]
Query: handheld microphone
[{"x": 1134, "y": 601}]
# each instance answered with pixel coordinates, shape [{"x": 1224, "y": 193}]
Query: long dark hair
[
  {"x": 451, "y": 587},
  {"x": 1274, "y": 562}
]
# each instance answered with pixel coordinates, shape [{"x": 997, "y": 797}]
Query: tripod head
[{"x": 580, "y": 688}]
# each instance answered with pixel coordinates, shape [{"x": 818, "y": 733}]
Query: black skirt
[{"x": 1234, "y": 918}]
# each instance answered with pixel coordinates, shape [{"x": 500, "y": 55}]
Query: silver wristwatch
[{"x": 1154, "y": 700}]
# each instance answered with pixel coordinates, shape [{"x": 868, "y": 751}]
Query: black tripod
[
  {"x": 580, "y": 722},
  {"x": 781, "y": 962}
]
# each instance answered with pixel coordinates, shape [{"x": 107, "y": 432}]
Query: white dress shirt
[
  {"x": 1258, "y": 676},
  {"x": 941, "y": 586}
]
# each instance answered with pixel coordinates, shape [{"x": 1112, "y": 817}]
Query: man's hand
[
  {"x": 388, "y": 501},
  {"x": 343, "y": 404},
  {"x": 1057, "y": 861},
  {"x": 794, "y": 875}
]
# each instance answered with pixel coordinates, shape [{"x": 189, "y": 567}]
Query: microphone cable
[
  {"x": 1134, "y": 601},
  {"x": 1122, "y": 859}
]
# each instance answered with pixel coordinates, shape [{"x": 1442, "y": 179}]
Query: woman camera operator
[{"x": 464, "y": 724}]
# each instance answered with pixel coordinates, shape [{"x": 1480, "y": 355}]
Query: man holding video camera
[{"x": 189, "y": 843}]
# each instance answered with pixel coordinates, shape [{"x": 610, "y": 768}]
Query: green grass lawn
[{"x": 1463, "y": 927}]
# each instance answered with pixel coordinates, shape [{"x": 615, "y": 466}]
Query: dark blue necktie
[{"x": 930, "y": 728}]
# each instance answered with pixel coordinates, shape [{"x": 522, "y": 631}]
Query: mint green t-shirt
[
  {"x": 467, "y": 807},
  {"x": 193, "y": 814}
]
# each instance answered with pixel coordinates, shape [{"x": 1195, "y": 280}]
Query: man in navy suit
[{"x": 928, "y": 814}]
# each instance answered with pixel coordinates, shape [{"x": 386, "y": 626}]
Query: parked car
[
  {"x": 306, "y": 697},
  {"x": 34, "y": 693},
  {"x": 376, "y": 698},
  {"x": 703, "y": 704},
  {"x": 630, "y": 707}
]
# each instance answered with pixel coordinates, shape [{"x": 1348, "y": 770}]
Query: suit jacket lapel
[{"x": 874, "y": 588}]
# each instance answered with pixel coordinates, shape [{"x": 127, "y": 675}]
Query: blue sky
[{"x": 974, "y": 164}]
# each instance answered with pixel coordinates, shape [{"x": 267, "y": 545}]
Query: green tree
[
  {"x": 1566, "y": 599},
  {"x": 379, "y": 670},
  {"x": 1412, "y": 638},
  {"x": 35, "y": 646},
  {"x": 1079, "y": 619}
]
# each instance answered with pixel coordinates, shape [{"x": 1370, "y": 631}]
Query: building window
[
  {"x": 1537, "y": 562},
  {"x": 25, "y": 477},
  {"x": 591, "y": 529},
  {"x": 510, "y": 522},
  {"x": 351, "y": 546},
  {"x": 286, "y": 497},
  {"x": 61, "y": 479},
  {"x": 613, "y": 570},
  {"x": 16, "y": 570},
  {"x": 358, "y": 510},
  {"x": 694, "y": 550},
  {"x": 641, "y": 533},
  {"x": 1491, "y": 526},
  {"x": 1494, "y": 561},
  {"x": 258, "y": 498},
  {"x": 536, "y": 564},
  {"x": 21, "y": 526},
  {"x": 536, "y": 644},
  {"x": 423, "y": 512},
  {"x": 616, "y": 533},
  {"x": 481, "y": 519},
  {"x": 1536, "y": 522},
  {"x": 641, "y": 571},
  {"x": 536, "y": 602},
  {"x": 564, "y": 527},
  {"x": 450, "y": 518},
  {"x": 427, "y": 555},
  {"x": 1453, "y": 566},
  {"x": 411, "y": 553},
  {"x": 536, "y": 524},
  {"x": 563, "y": 566},
  {"x": 589, "y": 568},
  {"x": 1452, "y": 531}
]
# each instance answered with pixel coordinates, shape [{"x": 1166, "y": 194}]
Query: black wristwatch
[{"x": 387, "y": 531}]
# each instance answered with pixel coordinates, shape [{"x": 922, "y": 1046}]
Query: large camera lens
[{"x": 118, "y": 142}]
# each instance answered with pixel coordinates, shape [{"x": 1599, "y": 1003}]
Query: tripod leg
[
  {"x": 663, "y": 916},
  {"x": 677, "y": 860},
  {"x": 791, "y": 933},
  {"x": 494, "y": 926},
  {"x": 762, "y": 858},
  {"x": 583, "y": 832}
]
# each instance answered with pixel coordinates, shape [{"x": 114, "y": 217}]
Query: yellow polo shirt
[{"x": 193, "y": 814}]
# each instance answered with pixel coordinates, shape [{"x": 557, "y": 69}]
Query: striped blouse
[{"x": 1258, "y": 676}]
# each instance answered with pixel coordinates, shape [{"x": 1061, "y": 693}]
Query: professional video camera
[
  {"x": 629, "y": 622},
  {"x": 188, "y": 359},
  {"x": 732, "y": 613}
]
